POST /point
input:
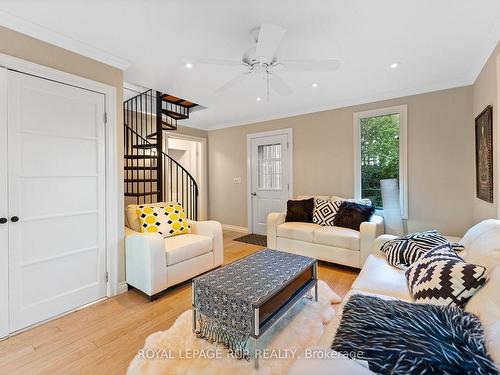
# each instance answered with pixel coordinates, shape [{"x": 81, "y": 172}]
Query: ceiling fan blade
[
  {"x": 222, "y": 62},
  {"x": 269, "y": 40},
  {"x": 279, "y": 85},
  {"x": 233, "y": 82},
  {"x": 328, "y": 65}
]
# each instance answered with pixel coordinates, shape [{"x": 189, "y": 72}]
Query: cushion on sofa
[
  {"x": 379, "y": 277},
  {"x": 397, "y": 337},
  {"x": 187, "y": 246},
  {"x": 486, "y": 305},
  {"x": 337, "y": 236},
  {"x": 351, "y": 215},
  {"x": 402, "y": 252},
  {"x": 300, "y": 211},
  {"x": 482, "y": 243},
  {"x": 324, "y": 197},
  {"x": 441, "y": 277},
  {"x": 297, "y": 231},
  {"x": 325, "y": 211}
]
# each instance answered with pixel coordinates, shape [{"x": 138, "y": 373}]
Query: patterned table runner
[{"x": 225, "y": 298}]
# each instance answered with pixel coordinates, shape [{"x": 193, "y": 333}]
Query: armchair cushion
[{"x": 186, "y": 246}]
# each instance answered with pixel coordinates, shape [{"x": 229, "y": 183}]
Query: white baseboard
[
  {"x": 122, "y": 287},
  {"x": 235, "y": 228}
]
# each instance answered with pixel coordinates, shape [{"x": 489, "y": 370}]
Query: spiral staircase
[{"x": 150, "y": 174}]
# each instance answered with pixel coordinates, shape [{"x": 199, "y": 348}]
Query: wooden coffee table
[{"x": 277, "y": 302}]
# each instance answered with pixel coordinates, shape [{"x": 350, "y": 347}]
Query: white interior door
[
  {"x": 4, "y": 210},
  {"x": 269, "y": 178},
  {"x": 56, "y": 167}
]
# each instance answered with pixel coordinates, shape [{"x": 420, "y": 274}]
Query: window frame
[{"x": 400, "y": 110}]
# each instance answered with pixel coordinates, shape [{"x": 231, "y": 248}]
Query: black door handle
[
  {"x": 14, "y": 219},
  {"x": 3, "y": 220}
]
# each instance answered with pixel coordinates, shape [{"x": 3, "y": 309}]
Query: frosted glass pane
[{"x": 269, "y": 167}]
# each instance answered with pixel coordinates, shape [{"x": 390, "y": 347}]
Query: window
[
  {"x": 380, "y": 146},
  {"x": 269, "y": 167}
]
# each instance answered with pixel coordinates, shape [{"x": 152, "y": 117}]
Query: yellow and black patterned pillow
[{"x": 167, "y": 221}]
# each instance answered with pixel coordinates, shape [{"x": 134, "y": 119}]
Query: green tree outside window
[{"x": 379, "y": 154}]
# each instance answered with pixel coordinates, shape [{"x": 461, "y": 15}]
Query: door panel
[
  {"x": 56, "y": 187},
  {"x": 270, "y": 185},
  {"x": 4, "y": 210}
]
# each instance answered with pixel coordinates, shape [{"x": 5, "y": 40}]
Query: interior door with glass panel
[{"x": 270, "y": 178}]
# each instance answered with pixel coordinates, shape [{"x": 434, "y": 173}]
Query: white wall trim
[
  {"x": 234, "y": 228},
  {"x": 26, "y": 27},
  {"x": 403, "y": 146},
  {"x": 114, "y": 210},
  {"x": 289, "y": 133},
  {"x": 390, "y": 95},
  {"x": 203, "y": 183}
]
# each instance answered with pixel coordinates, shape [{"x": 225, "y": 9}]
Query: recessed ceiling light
[
  {"x": 258, "y": 99},
  {"x": 314, "y": 85},
  {"x": 189, "y": 65},
  {"x": 394, "y": 65}
]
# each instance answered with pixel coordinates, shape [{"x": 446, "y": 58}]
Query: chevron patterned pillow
[
  {"x": 402, "y": 252},
  {"x": 443, "y": 278},
  {"x": 325, "y": 211}
]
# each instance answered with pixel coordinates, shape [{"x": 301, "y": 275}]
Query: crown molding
[
  {"x": 392, "y": 95},
  {"x": 44, "y": 34}
]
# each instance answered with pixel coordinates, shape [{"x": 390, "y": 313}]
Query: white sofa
[
  {"x": 378, "y": 278},
  {"x": 154, "y": 263},
  {"x": 328, "y": 243}
]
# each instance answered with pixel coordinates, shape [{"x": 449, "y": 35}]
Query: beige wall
[
  {"x": 485, "y": 92},
  {"x": 30, "y": 49},
  {"x": 440, "y": 159}
]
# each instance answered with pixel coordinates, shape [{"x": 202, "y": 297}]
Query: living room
[{"x": 258, "y": 188}]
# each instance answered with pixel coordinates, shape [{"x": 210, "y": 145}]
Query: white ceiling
[{"x": 438, "y": 44}]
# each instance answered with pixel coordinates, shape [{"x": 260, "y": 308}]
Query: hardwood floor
[{"x": 103, "y": 338}]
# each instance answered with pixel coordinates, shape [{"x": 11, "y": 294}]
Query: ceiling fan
[{"x": 261, "y": 59}]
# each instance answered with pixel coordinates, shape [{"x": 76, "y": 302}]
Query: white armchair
[{"x": 154, "y": 263}]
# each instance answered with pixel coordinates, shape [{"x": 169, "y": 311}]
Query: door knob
[
  {"x": 3, "y": 220},
  {"x": 14, "y": 219},
  {"x": 254, "y": 194}
]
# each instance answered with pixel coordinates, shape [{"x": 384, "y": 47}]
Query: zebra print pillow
[
  {"x": 397, "y": 337},
  {"x": 402, "y": 252}
]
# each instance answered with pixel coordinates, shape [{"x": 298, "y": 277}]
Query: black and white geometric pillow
[
  {"x": 325, "y": 211},
  {"x": 441, "y": 277},
  {"x": 402, "y": 252}
]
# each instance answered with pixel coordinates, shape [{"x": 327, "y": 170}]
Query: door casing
[
  {"x": 114, "y": 164},
  {"x": 289, "y": 133}
]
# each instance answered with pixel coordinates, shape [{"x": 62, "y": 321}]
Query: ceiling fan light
[
  {"x": 258, "y": 99},
  {"x": 189, "y": 65},
  {"x": 394, "y": 65},
  {"x": 314, "y": 85}
]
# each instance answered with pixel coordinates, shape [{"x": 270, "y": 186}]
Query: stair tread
[
  {"x": 140, "y": 167},
  {"x": 144, "y": 194},
  {"x": 145, "y": 146},
  {"x": 141, "y": 180},
  {"x": 141, "y": 156},
  {"x": 175, "y": 115}
]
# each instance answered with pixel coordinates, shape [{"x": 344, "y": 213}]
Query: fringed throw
[{"x": 225, "y": 298}]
